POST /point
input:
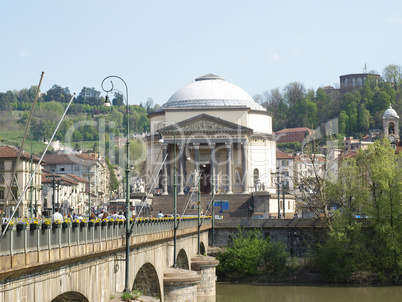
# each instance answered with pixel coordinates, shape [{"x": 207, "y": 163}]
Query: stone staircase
[{"x": 238, "y": 204}]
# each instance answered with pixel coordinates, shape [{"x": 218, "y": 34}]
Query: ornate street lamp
[
  {"x": 278, "y": 183},
  {"x": 55, "y": 184},
  {"x": 107, "y": 104},
  {"x": 174, "y": 189}
]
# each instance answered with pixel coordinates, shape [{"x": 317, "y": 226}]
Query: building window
[
  {"x": 62, "y": 169},
  {"x": 14, "y": 192},
  {"x": 76, "y": 168},
  {"x": 391, "y": 128},
  {"x": 13, "y": 164},
  {"x": 1, "y": 179},
  {"x": 1, "y": 165},
  {"x": 1, "y": 194}
]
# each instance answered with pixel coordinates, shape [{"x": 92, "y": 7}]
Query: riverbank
[
  {"x": 246, "y": 292},
  {"x": 308, "y": 277}
]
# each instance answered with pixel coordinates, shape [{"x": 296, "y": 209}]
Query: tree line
[
  {"x": 357, "y": 112},
  {"x": 87, "y": 106}
]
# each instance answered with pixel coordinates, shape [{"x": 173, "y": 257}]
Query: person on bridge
[
  {"x": 160, "y": 215},
  {"x": 57, "y": 216},
  {"x": 121, "y": 216}
]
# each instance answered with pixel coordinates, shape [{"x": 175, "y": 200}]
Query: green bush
[{"x": 250, "y": 255}]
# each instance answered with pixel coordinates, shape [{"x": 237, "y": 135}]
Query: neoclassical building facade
[{"x": 215, "y": 136}]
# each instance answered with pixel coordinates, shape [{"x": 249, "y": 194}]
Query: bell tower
[{"x": 391, "y": 125}]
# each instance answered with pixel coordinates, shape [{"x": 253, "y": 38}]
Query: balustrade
[{"x": 29, "y": 240}]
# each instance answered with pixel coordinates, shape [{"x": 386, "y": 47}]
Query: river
[{"x": 232, "y": 292}]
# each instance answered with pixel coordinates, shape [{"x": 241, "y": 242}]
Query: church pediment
[{"x": 206, "y": 123}]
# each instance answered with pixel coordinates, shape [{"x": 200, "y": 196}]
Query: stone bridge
[{"x": 88, "y": 263}]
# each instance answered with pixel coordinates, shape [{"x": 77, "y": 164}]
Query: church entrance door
[{"x": 205, "y": 178}]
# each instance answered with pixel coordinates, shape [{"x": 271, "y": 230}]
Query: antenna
[{"x": 365, "y": 68}]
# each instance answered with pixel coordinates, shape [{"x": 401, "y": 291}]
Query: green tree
[
  {"x": 363, "y": 119},
  {"x": 294, "y": 94},
  {"x": 344, "y": 252},
  {"x": 351, "y": 111},
  {"x": 393, "y": 73},
  {"x": 250, "y": 255},
  {"x": 369, "y": 184},
  {"x": 383, "y": 172},
  {"x": 89, "y": 96},
  {"x": 343, "y": 122},
  {"x": 114, "y": 183},
  {"x": 7, "y": 99},
  {"x": 118, "y": 99},
  {"x": 58, "y": 94}
]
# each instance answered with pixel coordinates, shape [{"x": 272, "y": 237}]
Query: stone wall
[{"x": 299, "y": 235}]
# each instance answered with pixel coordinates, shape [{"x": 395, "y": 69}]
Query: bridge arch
[
  {"x": 182, "y": 260},
  {"x": 147, "y": 281},
  {"x": 70, "y": 296}
]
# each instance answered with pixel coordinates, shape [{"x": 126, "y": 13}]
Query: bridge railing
[{"x": 29, "y": 240}]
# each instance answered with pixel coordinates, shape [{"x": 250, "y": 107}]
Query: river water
[{"x": 232, "y": 292}]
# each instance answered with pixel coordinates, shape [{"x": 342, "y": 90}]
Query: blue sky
[{"x": 158, "y": 47}]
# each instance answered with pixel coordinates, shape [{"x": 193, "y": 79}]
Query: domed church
[{"x": 215, "y": 136}]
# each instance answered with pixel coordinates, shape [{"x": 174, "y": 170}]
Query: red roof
[
  {"x": 294, "y": 130},
  {"x": 67, "y": 159},
  {"x": 64, "y": 180},
  {"x": 12, "y": 152},
  {"x": 77, "y": 178},
  {"x": 282, "y": 155}
]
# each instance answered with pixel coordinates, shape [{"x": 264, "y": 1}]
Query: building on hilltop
[
  {"x": 390, "y": 130},
  {"x": 353, "y": 144},
  {"x": 355, "y": 81},
  {"x": 289, "y": 135},
  {"x": 391, "y": 125}
]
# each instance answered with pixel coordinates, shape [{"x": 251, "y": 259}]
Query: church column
[
  {"x": 181, "y": 169},
  {"x": 229, "y": 168},
  {"x": 213, "y": 168},
  {"x": 164, "y": 171},
  {"x": 196, "y": 164},
  {"x": 196, "y": 157},
  {"x": 244, "y": 164}
]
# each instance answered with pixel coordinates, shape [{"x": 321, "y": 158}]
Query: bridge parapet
[{"x": 43, "y": 248}]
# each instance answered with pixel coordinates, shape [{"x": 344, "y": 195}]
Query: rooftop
[
  {"x": 211, "y": 91},
  {"x": 12, "y": 152}
]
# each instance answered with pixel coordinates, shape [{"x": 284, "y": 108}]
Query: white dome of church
[
  {"x": 211, "y": 91},
  {"x": 390, "y": 112},
  {"x": 214, "y": 130}
]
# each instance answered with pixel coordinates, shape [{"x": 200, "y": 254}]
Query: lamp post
[
  {"x": 279, "y": 206},
  {"x": 278, "y": 184},
  {"x": 55, "y": 183},
  {"x": 283, "y": 198},
  {"x": 174, "y": 189},
  {"x": 37, "y": 190},
  {"x": 107, "y": 104},
  {"x": 89, "y": 188}
]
